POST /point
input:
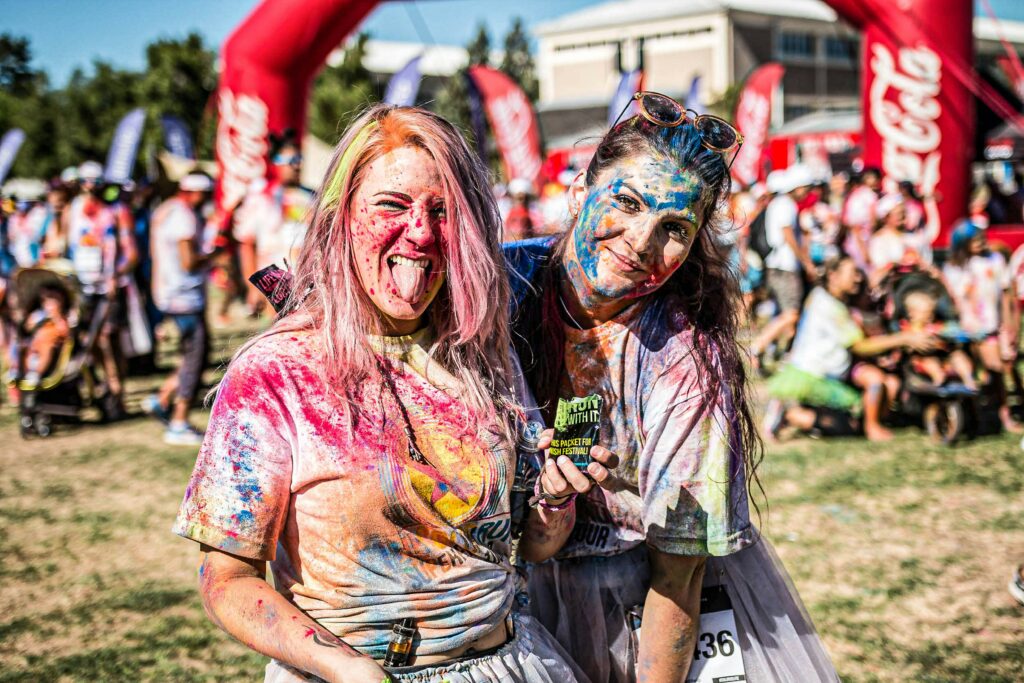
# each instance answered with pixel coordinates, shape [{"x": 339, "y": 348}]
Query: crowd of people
[
  {"x": 127, "y": 262},
  {"x": 857, "y": 302}
]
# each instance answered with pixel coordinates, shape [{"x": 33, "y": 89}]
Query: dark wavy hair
[{"x": 704, "y": 286}]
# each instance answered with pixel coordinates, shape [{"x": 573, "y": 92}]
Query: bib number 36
[
  {"x": 711, "y": 645},
  {"x": 716, "y": 654}
]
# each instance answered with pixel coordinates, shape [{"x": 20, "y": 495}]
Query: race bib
[{"x": 716, "y": 655}]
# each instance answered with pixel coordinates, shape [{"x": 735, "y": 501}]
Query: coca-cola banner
[
  {"x": 513, "y": 122},
  {"x": 753, "y": 116},
  {"x": 269, "y": 62},
  {"x": 917, "y": 106}
]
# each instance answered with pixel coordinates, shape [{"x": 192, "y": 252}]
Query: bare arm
[
  {"x": 239, "y": 601},
  {"x": 192, "y": 260},
  {"x": 789, "y": 235},
  {"x": 921, "y": 342},
  {"x": 671, "y": 617}
]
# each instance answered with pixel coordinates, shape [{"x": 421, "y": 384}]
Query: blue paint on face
[{"x": 634, "y": 230}]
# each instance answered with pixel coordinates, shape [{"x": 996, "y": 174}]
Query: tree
[
  {"x": 453, "y": 99},
  {"x": 340, "y": 92},
  {"x": 725, "y": 104},
  {"x": 479, "y": 48},
  {"x": 90, "y": 108},
  {"x": 518, "y": 60},
  {"x": 16, "y": 74},
  {"x": 179, "y": 79}
]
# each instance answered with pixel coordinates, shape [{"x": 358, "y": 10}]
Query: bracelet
[
  {"x": 558, "y": 507},
  {"x": 541, "y": 497}
]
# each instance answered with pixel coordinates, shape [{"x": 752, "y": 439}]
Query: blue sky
[{"x": 69, "y": 33}]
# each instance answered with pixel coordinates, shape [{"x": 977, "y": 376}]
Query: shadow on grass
[{"x": 163, "y": 647}]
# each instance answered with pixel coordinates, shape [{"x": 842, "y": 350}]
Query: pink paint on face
[{"x": 397, "y": 225}]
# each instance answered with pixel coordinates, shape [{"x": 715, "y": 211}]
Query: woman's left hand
[{"x": 561, "y": 478}]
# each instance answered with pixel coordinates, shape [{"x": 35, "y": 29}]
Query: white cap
[
  {"x": 69, "y": 174},
  {"x": 799, "y": 175},
  {"x": 195, "y": 182},
  {"x": 520, "y": 186},
  {"x": 777, "y": 182},
  {"x": 886, "y": 204},
  {"x": 90, "y": 170}
]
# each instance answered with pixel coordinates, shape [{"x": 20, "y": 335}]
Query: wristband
[
  {"x": 558, "y": 507},
  {"x": 541, "y": 498}
]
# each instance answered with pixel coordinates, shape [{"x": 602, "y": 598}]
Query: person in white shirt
[
  {"x": 982, "y": 286},
  {"x": 822, "y": 376},
  {"x": 789, "y": 259},
  {"x": 179, "y": 291}
]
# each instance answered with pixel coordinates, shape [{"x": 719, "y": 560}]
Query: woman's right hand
[{"x": 560, "y": 477}]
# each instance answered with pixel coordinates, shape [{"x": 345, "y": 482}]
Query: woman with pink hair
[{"x": 364, "y": 445}]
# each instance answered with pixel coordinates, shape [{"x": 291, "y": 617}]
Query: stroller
[
  {"x": 949, "y": 410},
  {"x": 68, "y": 384}
]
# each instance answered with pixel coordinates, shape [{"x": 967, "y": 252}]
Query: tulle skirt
[
  {"x": 532, "y": 656},
  {"x": 793, "y": 384},
  {"x": 585, "y": 604}
]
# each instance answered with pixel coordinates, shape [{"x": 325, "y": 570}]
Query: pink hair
[{"x": 470, "y": 313}]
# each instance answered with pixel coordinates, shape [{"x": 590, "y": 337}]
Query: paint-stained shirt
[
  {"x": 359, "y": 534},
  {"x": 679, "y": 446}
]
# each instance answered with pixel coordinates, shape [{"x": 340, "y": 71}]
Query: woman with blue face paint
[{"x": 636, "y": 303}]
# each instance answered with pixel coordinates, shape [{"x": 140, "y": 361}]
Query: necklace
[
  {"x": 565, "y": 310},
  {"x": 410, "y": 436}
]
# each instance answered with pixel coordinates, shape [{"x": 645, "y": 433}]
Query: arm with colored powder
[
  {"x": 692, "y": 483},
  {"x": 239, "y": 601},
  {"x": 672, "y": 611}
]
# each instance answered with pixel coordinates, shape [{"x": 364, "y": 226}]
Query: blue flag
[
  {"x": 177, "y": 139},
  {"x": 404, "y": 85},
  {"x": 477, "y": 117},
  {"x": 121, "y": 157},
  {"x": 9, "y": 146},
  {"x": 628, "y": 85},
  {"x": 692, "y": 99}
]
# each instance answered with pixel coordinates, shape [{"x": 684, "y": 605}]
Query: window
[
  {"x": 840, "y": 49},
  {"x": 796, "y": 45},
  {"x": 795, "y": 111}
]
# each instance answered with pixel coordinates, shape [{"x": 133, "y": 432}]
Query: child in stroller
[
  {"x": 939, "y": 386},
  {"x": 49, "y": 370},
  {"x": 943, "y": 365},
  {"x": 43, "y": 333}
]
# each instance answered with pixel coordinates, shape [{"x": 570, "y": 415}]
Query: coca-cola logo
[
  {"x": 241, "y": 144},
  {"x": 904, "y": 108},
  {"x": 512, "y": 118}
]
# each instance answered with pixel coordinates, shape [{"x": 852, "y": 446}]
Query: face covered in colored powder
[
  {"x": 398, "y": 218},
  {"x": 634, "y": 229}
]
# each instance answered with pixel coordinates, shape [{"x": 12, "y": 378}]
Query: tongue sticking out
[{"x": 411, "y": 282}]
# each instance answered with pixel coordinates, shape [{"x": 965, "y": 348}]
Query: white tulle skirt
[
  {"x": 532, "y": 656},
  {"x": 585, "y": 604}
]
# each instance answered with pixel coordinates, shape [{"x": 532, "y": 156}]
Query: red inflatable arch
[{"x": 268, "y": 65}]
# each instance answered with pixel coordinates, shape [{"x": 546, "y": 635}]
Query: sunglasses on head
[{"x": 716, "y": 134}]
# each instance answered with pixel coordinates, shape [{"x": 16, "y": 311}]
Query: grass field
[{"x": 901, "y": 552}]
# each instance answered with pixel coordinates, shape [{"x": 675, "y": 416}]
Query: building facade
[{"x": 581, "y": 55}]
